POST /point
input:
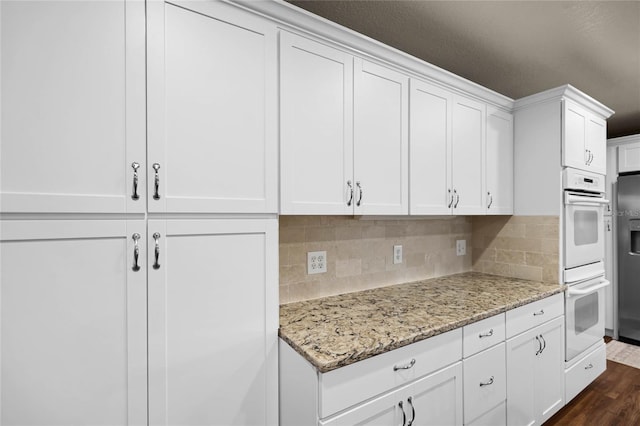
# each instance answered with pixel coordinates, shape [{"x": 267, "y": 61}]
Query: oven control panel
[{"x": 582, "y": 180}]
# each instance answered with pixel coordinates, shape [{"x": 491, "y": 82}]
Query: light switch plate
[
  {"x": 461, "y": 247},
  {"x": 316, "y": 262},
  {"x": 397, "y": 254}
]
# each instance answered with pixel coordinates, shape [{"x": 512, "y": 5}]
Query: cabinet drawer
[
  {"x": 585, "y": 371},
  {"x": 484, "y": 382},
  {"x": 347, "y": 386},
  {"x": 495, "y": 417},
  {"x": 533, "y": 314},
  {"x": 483, "y": 334}
]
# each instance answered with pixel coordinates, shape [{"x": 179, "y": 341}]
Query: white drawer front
[
  {"x": 584, "y": 372},
  {"x": 350, "y": 385},
  {"x": 483, "y": 334},
  {"x": 485, "y": 384},
  {"x": 495, "y": 417},
  {"x": 531, "y": 315}
]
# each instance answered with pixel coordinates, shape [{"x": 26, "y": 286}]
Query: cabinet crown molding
[
  {"x": 565, "y": 92},
  {"x": 298, "y": 19}
]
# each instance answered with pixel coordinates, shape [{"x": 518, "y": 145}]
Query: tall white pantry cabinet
[{"x": 138, "y": 232}]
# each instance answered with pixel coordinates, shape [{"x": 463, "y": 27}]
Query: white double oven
[{"x": 583, "y": 254}]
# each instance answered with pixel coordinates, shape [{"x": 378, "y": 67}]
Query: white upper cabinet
[
  {"x": 430, "y": 149},
  {"x": 584, "y": 139},
  {"x": 468, "y": 156},
  {"x": 499, "y": 163},
  {"x": 316, "y": 137},
  {"x": 212, "y": 109},
  {"x": 73, "y": 106},
  {"x": 381, "y": 140}
]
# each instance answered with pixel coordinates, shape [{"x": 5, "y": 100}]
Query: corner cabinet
[
  {"x": 447, "y": 144},
  {"x": 344, "y": 132},
  {"x": 212, "y": 108},
  {"x": 499, "y": 162}
]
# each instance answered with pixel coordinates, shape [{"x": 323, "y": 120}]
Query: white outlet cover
[
  {"x": 461, "y": 247},
  {"x": 397, "y": 255},
  {"x": 316, "y": 262}
]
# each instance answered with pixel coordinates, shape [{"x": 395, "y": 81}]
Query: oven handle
[
  {"x": 579, "y": 292},
  {"x": 581, "y": 200}
]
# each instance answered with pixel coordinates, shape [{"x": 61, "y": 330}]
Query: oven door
[
  {"x": 584, "y": 315},
  {"x": 583, "y": 229}
]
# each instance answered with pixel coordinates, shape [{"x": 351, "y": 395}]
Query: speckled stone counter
[{"x": 339, "y": 330}]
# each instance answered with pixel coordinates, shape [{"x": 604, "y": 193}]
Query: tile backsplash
[
  {"x": 360, "y": 252},
  {"x": 524, "y": 247}
]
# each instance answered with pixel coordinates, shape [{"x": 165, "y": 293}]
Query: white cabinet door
[
  {"x": 73, "y": 106},
  {"x": 381, "y": 140},
  {"x": 212, "y": 109},
  {"x": 535, "y": 374},
  {"x": 499, "y": 164},
  {"x": 73, "y": 317},
  {"x": 213, "y": 322},
  {"x": 316, "y": 136},
  {"x": 468, "y": 155},
  {"x": 628, "y": 159},
  {"x": 430, "y": 147},
  {"x": 596, "y": 144},
  {"x": 549, "y": 377},
  {"x": 437, "y": 398},
  {"x": 584, "y": 144}
]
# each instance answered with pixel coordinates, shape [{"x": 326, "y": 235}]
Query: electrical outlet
[
  {"x": 316, "y": 262},
  {"x": 397, "y": 254},
  {"x": 461, "y": 247}
]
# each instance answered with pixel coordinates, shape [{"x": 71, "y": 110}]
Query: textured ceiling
[{"x": 516, "y": 48}]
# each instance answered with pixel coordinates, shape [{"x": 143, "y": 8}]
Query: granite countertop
[{"x": 336, "y": 331}]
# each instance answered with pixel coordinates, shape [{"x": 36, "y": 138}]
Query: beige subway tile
[
  {"x": 284, "y": 295},
  {"x": 319, "y": 233},
  {"x": 292, "y": 234},
  {"x": 515, "y": 230},
  {"x": 348, "y": 268},
  {"x": 551, "y": 231},
  {"x": 373, "y": 231},
  {"x": 550, "y": 246},
  {"x": 292, "y": 274},
  {"x": 510, "y": 256},
  {"x": 525, "y": 272},
  {"x": 479, "y": 255},
  {"x": 535, "y": 258},
  {"x": 296, "y": 254},
  {"x": 438, "y": 227},
  {"x": 350, "y": 249},
  {"x": 395, "y": 231},
  {"x": 495, "y": 268},
  {"x": 283, "y": 254},
  {"x": 551, "y": 273},
  {"x": 415, "y": 259},
  {"x": 351, "y": 232},
  {"x": 372, "y": 265}
]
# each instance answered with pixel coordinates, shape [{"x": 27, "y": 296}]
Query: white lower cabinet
[
  {"x": 535, "y": 373},
  {"x": 585, "y": 370},
  {"x": 73, "y": 316}
]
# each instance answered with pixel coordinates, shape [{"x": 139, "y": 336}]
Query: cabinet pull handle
[
  {"x": 413, "y": 411},
  {"x": 488, "y": 334},
  {"x": 350, "y": 200},
  {"x": 490, "y": 200},
  {"x": 404, "y": 416},
  {"x": 586, "y": 161},
  {"x": 591, "y": 161},
  {"x": 135, "y": 167},
  {"x": 451, "y": 201},
  {"x": 405, "y": 367},
  {"x": 490, "y": 382},
  {"x": 156, "y": 185},
  {"x": 136, "y": 252},
  {"x": 455, "y": 192},
  {"x": 544, "y": 344},
  {"x": 360, "y": 193},
  {"x": 609, "y": 226},
  {"x": 156, "y": 237},
  {"x": 540, "y": 312},
  {"x": 539, "y": 346},
  {"x": 589, "y": 366}
]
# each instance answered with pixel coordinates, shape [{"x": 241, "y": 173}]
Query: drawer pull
[
  {"x": 544, "y": 344},
  {"x": 589, "y": 366},
  {"x": 404, "y": 416},
  {"x": 539, "y": 346},
  {"x": 489, "y": 334},
  {"x": 540, "y": 312},
  {"x": 490, "y": 382},
  {"x": 413, "y": 411},
  {"x": 405, "y": 367}
]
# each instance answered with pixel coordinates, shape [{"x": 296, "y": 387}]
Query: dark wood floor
[{"x": 612, "y": 399}]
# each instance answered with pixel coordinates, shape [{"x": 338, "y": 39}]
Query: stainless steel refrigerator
[{"x": 628, "y": 230}]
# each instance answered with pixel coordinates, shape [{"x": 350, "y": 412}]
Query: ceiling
[{"x": 516, "y": 48}]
